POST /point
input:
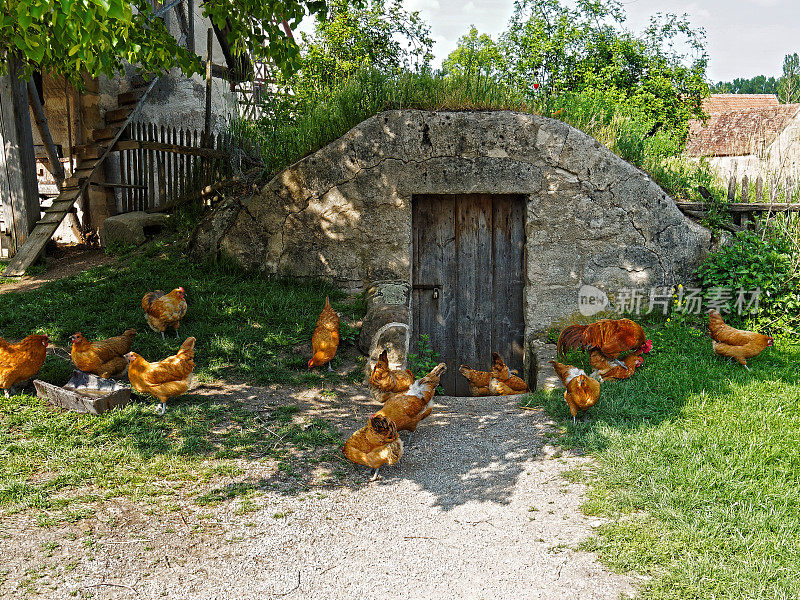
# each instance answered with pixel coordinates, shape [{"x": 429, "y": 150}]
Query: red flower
[{"x": 536, "y": 86}]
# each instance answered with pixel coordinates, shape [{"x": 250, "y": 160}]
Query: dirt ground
[
  {"x": 63, "y": 261},
  {"x": 478, "y": 507}
]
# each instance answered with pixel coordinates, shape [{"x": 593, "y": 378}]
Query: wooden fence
[
  {"x": 162, "y": 166},
  {"x": 748, "y": 199}
]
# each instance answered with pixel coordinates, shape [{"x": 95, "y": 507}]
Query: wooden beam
[
  {"x": 17, "y": 158},
  {"x": 209, "y": 62},
  {"x": 56, "y": 168},
  {"x": 745, "y": 208},
  {"x": 174, "y": 148},
  {"x": 190, "y": 17}
]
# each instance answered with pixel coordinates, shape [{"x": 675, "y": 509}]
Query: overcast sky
[{"x": 745, "y": 37}]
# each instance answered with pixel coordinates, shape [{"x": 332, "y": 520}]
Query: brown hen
[
  {"x": 386, "y": 381},
  {"x": 582, "y": 391},
  {"x": 105, "y": 358},
  {"x": 478, "y": 380},
  {"x": 735, "y": 343},
  {"x": 503, "y": 382},
  {"x": 21, "y": 361},
  {"x": 163, "y": 311},
  {"x": 407, "y": 409},
  {"x": 611, "y": 336},
  {"x": 605, "y": 370},
  {"x": 375, "y": 445},
  {"x": 166, "y": 378},
  {"x": 325, "y": 340}
]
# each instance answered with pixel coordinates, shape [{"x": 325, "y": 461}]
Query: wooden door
[{"x": 468, "y": 273}]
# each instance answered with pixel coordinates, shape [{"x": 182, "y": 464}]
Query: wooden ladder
[{"x": 91, "y": 157}]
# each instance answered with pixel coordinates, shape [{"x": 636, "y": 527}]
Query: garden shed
[{"x": 474, "y": 228}]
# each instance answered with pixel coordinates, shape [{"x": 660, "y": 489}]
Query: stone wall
[{"x": 344, "y": 213}]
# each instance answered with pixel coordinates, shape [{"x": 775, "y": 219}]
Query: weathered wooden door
[{"x": 468, "y": 274}]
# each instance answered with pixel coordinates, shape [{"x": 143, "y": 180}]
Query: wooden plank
[
  {"x": 181, "y": 168},
  {"x": 473, "y": 282},
  {"x": 17, "y": 157},
  {"x": 190, "y": 42},
  {"x": 759, "y": 189},
  {"x": 137, "y": 179},
  {"x": 162, "y": 184},
  {"x": 508, "y": 251},
  {"x": 732, "y": 185},
  {"x": 742, "y": 207},
  {"x": 433, "y": 223}
]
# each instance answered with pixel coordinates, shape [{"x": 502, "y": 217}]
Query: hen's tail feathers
[
  {"x": 571, "y": 337},
  {"x": 149, "y": 298},
  {"x": 186, "y": 351},
  {"x": 716, "y": 325},
  {"x": 129, "y": 333}
]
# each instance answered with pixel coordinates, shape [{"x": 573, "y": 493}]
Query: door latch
[{"x": 435, "y": 287}]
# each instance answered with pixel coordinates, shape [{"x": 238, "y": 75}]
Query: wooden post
[
  {"x": 209, "y": 80},
  {"x": 732, "y": 185},
  {"x": 18, "y": 182},
  {"x": 190, "y": 22},
  {"x": 759, "y": 189},
  {"x": 44, "y": 131}
]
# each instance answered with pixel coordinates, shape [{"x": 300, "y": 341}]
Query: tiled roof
[
  {"x": 739, "y": 132},
  {"x": 721, "y": 103}
]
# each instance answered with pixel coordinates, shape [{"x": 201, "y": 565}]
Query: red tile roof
[
  {"x": 720, "y": 103},
  {"x": 741, "y": 131}
]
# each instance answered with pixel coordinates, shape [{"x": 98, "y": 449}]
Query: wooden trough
[{"x": 85, "y": 393}]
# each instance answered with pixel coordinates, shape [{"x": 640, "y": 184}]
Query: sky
[{"x": 744, "y": 37}]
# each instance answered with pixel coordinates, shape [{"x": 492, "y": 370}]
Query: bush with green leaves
[{"x": 750, "y": 262}]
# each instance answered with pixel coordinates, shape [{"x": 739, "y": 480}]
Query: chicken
[
  {"x": 386, "y": 381},
  {"x": 503, "y": 382},
  {"x": 735, "y": 343},
  {"x": 325, "y": 340},
  {"x": 375, "y": 445},
  {"x": 478, "y": 381},
  {"x": 166, "y": 378},
  {"x": 105, "y": 357},
  {"x": 604, "y": 370},
  {"x": 611, "y": 336},
  {"x": 163, "y": 311},
  {"x": 407, "y": 409},
  {"x": 582, "y": 391},
  {"x": 21, "y": 361}
]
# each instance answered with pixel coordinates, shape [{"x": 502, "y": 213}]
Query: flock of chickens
[
  {"x": 616, "y": 347},
  {"x": 164, "y": 379}
]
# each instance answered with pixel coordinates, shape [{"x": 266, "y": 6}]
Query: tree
[
  {"x": 759, "y": 84},
  {"x": 551, "y": 48},
  {"x": 477, "y": 53},
  {"x": 789, "y": 85},
  {"x": 68, "y": 37},
  {"x": 381, "y": 36}
]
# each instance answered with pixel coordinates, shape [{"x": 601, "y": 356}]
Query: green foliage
[
  {"x": 551, "y": 48},
  {"x": 789, "y": 86},
  {"x": 382, "y": 36},
  {"x": 69, "y": 37},
  {"x": 425, "y": 359},
  {"x": 759, "y": 84},
  {"x": 478, "y": 54},
  {"x": 697, "y": 470},
  {"x": 753, "y": 262}
]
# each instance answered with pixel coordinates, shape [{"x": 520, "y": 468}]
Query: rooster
[
  {"x": 21, "y": 361},
  {"x": 407, "y": 409},
  {"x": 582, "y": 391},
  {"x": 325, "y": 340},
  {"x": 503, "y": 382},
  {"x": 163, "y": 311},
  {"x": 375, "y": 445},
  {"x": 105, "y": 357},
  {"x": 604, "y": 370},
  {"x": 478, "y": 381},
  {"x": 164, "y": 379},
  {"x": 386, "y": 381},
  {"x": 735, "y": 343},
  {"x": 612, "y": 337}
]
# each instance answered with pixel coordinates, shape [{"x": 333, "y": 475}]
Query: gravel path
[{"x": 477, "y": 508}]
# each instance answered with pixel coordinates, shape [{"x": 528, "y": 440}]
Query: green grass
[
  {"x": 60, "y": 463},
  {"x": 246, "y": 326},
  {"x": 698, "y": 469}
]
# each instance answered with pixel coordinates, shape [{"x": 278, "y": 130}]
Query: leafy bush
[{"x": 753, "y": 262}]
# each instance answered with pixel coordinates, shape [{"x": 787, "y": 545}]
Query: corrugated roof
[{"x": 739, "y": 132}]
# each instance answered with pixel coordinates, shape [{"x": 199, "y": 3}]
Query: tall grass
[{"x": 293, "y": 128}]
